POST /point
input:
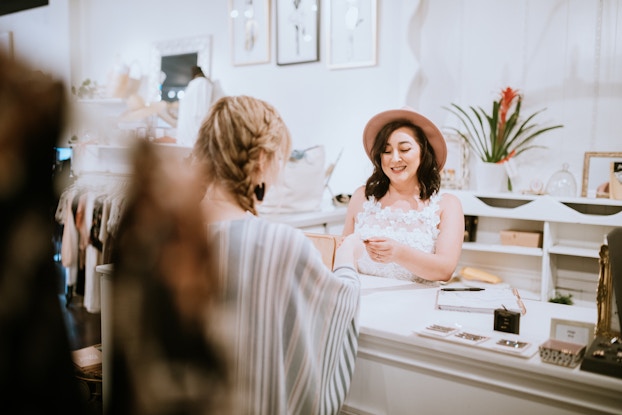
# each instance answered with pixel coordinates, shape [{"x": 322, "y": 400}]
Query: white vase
[{"x": 489, "y": 177}]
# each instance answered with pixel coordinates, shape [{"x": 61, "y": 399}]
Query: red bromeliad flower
[
  {"x": 501, "y": 135},
  {"x": 507, "y": 98}
]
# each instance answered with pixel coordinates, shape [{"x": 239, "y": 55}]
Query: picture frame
[
  {"x": 249, "y": 27},
  {"x": 455, "y": 173},
  {"x": 572, "y": 331},
  {"x": 608, "y": 320},
  {"x": 297, "y": 31},
  {"x": 352, "y": 34},
  {"x": 596, "y": 172}
]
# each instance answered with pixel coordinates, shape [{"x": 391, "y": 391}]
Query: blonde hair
[{"x": 230, "y": 141}]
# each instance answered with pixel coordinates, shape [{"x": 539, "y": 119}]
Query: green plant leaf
[{"x": 489, "y": 140}]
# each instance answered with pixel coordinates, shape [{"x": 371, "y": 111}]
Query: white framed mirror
[{"x": 171, "y": 63}]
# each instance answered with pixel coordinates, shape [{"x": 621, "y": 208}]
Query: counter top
[{"x": 394, "y": 313}]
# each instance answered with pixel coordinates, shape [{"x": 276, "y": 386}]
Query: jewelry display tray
[
  {"x": 603, "y": 357},
  {"x": 498, "y": 342}
]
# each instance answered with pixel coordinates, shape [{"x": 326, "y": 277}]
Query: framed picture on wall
[
  {"x": 352, "y": 37},
  {"x": 249, "y": 26},
  {"x": 297, "y": 31}
]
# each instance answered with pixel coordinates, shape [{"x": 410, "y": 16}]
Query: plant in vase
[{"x": 501, "y": 135}]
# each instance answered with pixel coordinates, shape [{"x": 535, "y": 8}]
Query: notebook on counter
[{"x": 482, "y": 301}]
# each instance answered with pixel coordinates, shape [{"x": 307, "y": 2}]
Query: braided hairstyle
[{"x": 231, "y": 139}]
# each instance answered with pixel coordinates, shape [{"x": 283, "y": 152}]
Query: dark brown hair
[{"x": 429, "y": 177}]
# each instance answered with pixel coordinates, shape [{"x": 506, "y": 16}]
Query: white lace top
[{"x": 415, "y": 228}]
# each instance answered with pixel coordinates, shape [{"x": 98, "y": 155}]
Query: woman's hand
[
  {"x": 382, "y": 250},
  {"x": 349, "y": 249}
]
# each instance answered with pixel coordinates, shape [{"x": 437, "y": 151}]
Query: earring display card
[{"x": 503, "y": 343}]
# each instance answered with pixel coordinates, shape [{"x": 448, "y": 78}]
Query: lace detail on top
[{"x": 417, "y": 229}]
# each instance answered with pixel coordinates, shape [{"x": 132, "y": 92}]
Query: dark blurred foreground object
[
  {"x": 36, "y": 371},
  {"x": 165, "y": 357},
  {"x": 604, "y": 354}
]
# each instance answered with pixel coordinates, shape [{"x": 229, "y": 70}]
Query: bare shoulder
[
  {"x": 450, "y": 202},
  {"x": 359, "y": 194},
  {"x": 354, "y": 207},
  {"x": 357, "y": 199}
]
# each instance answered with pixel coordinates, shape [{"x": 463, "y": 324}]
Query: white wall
[{"x": 565, "y": 55}]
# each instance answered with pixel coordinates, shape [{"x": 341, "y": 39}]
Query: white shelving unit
[{"x": 573, "y": 230}]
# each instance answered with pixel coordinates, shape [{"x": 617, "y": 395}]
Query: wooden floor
[{"x": 84, "y": 328}]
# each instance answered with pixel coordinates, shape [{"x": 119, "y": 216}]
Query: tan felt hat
[{"x": 433, "y": 134}]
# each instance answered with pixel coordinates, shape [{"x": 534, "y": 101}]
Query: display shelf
[
  {"x": 587, "y": 252},
  {"x": 507, "y": 249},
  {"x": 573, "y": 229}
]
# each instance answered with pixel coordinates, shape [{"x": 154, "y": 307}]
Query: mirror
[
  {"x": 608, "y": 322},
  {"x": 171, "y": 63},
  {"x": 596, "y": 172}
]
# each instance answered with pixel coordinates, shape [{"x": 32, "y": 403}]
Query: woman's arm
[{"x": 437, "y": 266}]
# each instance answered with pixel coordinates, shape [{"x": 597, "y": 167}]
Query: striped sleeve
[{"x": 295, "y": 320}]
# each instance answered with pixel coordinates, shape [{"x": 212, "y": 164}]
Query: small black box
[{"x": 507, "y": 321}]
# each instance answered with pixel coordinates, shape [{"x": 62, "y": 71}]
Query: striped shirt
[{"x": 293, "y": 322}]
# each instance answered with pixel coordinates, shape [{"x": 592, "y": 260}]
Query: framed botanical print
[
  {"x": 249, "y": 26},
  {"x": 352, "y": 37},
  {"x": 297, "y": 31}
]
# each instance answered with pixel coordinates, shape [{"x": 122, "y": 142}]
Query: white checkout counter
[{"x": 400, "y": 371}]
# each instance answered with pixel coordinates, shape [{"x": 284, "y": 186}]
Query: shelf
[
  {"x": 573, "y": 231},
  {"x": 100, "y": 101},
  {"x": 504, "y": 249},
  {"x": 588, "y": 211},
  {"x": 583, "y": 252}
]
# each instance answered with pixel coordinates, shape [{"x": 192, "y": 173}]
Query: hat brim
[{"x": 433, "y": 134}]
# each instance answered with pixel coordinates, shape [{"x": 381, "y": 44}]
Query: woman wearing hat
[{"x": 410, "y": 231}]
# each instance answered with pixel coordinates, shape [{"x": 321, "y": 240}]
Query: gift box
[{"x": 530, "y": 239}]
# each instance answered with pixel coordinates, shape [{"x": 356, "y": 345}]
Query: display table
[{"x": 399, "y": 371}]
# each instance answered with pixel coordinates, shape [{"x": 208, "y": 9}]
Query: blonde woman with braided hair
[{"x": 293, "y": 321}]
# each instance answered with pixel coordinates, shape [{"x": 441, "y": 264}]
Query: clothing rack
[{"x": 89, "y": 211}]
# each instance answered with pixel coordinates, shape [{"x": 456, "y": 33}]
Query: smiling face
[{"x": 401, "y": 157}]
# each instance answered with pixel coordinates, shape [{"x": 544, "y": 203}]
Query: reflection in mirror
[
  {"x": 177, "y": 74},
  {"x": 177, "y": 57},
  {"x": 597, "y": 173}
]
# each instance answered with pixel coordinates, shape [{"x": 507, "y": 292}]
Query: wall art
[
  {"x": 297, "y": 31},
  {"x": 249, "y": 26},
  {"x": 352, "y": 37}
]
